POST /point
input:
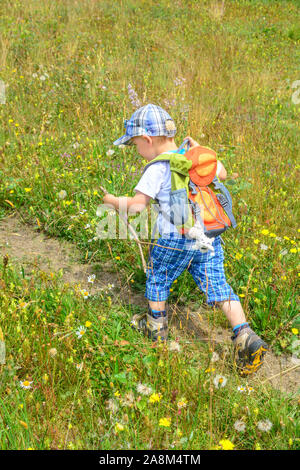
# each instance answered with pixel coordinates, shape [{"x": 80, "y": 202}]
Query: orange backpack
[{"x": 197, "y": 195}]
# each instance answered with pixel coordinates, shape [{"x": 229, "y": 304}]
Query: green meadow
[{"x": 76, "y": 375}]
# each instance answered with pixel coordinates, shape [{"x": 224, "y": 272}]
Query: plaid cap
[{"x": 149, "y": 120}]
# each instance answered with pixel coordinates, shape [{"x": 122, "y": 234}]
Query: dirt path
[{"x": 31, "y": 247}]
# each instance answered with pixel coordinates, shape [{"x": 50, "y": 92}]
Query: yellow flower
[
  {"x": 293, "y": 250},
  {"x": 165, "y": 422},
  {"x": 117, "y": 394},
  {"x": 88, "y": 324},
  {"x": 119, "y": 427},
  {"x": 117, "y": 257},
  {"x": 256, "y": 241},
  {"x": 265, "y": 231},
  {"x": 238, "y": 256},
  {"x": 257, "y": 446},
  {"x": 272, "y": 235},
  {"x": 155, "y": 397},
  {"x": 226, "y": 444},
  {"x": 295, "y": 331},
  {"x": 28, "y": 189}
]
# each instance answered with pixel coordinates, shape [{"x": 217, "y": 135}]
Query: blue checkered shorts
[{"x": 173, "y": 255}]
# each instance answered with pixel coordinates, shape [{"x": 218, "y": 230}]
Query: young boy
[{"x": 152, "y": 131}]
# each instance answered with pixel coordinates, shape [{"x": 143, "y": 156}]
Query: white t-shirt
[{"x": 156, "y": 183}]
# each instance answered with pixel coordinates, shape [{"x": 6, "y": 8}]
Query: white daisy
[
  {"x": 62, "y": 194},
  {"x": 25, "y": 384},
  {"x": 92, "y": 278},
  {"x": 80, "y": 331},
  {"x": 85, "y": 294},
  {"x": 110, "y": 152},
  {"x": 220, "y": 381}
]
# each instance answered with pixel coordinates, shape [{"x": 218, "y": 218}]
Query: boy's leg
[
  {"x": 168, "y": 260},
  {"x": 249, "y": 347},
  {"x": 233, "y": 311}
]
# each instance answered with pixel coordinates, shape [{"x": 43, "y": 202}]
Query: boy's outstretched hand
[{"x": 192, "y": 142}]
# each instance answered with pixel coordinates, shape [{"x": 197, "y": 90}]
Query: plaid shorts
[{"x": 173, "y": 255}]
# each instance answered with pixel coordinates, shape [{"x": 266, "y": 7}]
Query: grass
[
  {"x": 90, "y": 390},
  {"x": 67, "y": 66}
]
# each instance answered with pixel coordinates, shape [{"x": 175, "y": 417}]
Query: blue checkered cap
[{"x": 149, "y": 120}]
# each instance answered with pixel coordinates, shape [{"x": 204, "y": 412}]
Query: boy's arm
[
  {"x": 221, "y": 172},
  {"x": 133, "y": 204}
]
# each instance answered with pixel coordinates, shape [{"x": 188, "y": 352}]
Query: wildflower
[
  {"x": 91, "y": 278},
  {"x": 215, "y": 357},
  {"x": 25, "y": 384},
  {"x": 295, "y": 331},
  {"x": 117, "y": 258},
  {"x": 179, "y": 81},
  {"x": 112, "y": 406},
  {"x": 165, "y": 422},
  {"x": 62, "y": 194},
  {"x": 128, "y": 399},
  {"x": 239, "y": 426},
  {"x": 110, "y": 152},
  {"x": 80, "y": 332},
  {"x": 88, "y": 324},
  {"x": 79, "y": 366},
  {"x": 182, "y": 403},
  {"x": 220, "y": 381},
  {"x": 256, "y": 241},
  {"x": 226, "y": 444},
  {"x": 133, "y": 97},
  {"x": 210, "y": 370},
  {"x": 85, "y": 294},
  {"x": 155, "y": 398},
  {"x": 265, "y": 232},
  {"x": 264, "y": 426},
  {"x": 119, "y": 427},
  {"x": 263, "y": 247},
  {"x": 143, "y": 389},
  {"x": 174, "y": 346},
  {"x": 42, "y": 78},
  {"x": 293, "y": 250},
  {"x": 87, "y": 226},
  {"x": 28, "y": 189},
  {"x": 241, "y": 388}
]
